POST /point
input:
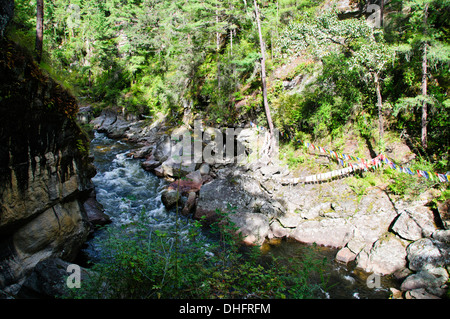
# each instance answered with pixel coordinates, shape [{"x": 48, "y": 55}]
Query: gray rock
[
  {"x": 426, "y": 254},
  {"x": 163, "y": 149},
  {"x": 95, "y": 211},
  {"x": 173, "y": 169},
  {"x": 432, "y": 281},
  {"x": 414, "y": 223},
  {"x": 204, "y": 169},
  {"x": 195, "y": 177},
  {"x": 243, "y": 202},
  {"x": 170, "y": 198},
  {"x": 190, "y": 204},
  {"x": 150, "y": 164},
  {"x": 387, "y": 256},
  {"x": 419, "y": 294},
  {"x": 49, "y": 280},
  {"x": 442, "y": 235}
]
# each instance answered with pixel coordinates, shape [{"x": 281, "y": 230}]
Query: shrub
[{"x": 142, "y": 263}]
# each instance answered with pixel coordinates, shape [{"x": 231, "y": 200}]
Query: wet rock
[
  {"x": 189, "y": 206},
  {"x": 170, "y": 198},
  {"x": 150, "y": 164},
  {"x": 95, "y": 211}
]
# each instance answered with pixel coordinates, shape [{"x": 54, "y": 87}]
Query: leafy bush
[{"x": 142, "y": 263}]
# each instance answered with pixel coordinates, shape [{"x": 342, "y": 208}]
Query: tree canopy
[{"x": 150, "y": 56}]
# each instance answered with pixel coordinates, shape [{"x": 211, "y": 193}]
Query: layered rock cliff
[{"x": 45, "y": 169}]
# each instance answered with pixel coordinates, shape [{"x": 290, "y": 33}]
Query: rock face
[{"x": 45, "y": 169}]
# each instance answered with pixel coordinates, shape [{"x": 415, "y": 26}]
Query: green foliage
[
  {"x": 143, "y": 263},
  {"x": 411, "y": 186}
]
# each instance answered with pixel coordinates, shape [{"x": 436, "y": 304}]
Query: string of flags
[{"x": 346, "y": 160}]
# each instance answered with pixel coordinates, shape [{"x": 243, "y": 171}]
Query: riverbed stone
[
  {"x": 386, "y": 256},
  {"x": 171, "y": 168},
  {"x": 426, "y": 253},
  {"x": 185, "y": 186},
  {"x": 345, "y": 255},
  {"x": 419, "y": 294},
  {"x": 170, "y": 197},
  {"x": 432, "y": 281},
  {"x": 204, "y": 169},
  {"x": 95, "y": 211},
  {"x": 327, "y": 232},
  {"x": 150, "y": 164}
]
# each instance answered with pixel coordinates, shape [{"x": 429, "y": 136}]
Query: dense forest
[{"x": 383, "y": 67}]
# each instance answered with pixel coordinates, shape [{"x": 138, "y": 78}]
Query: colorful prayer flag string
[{"x": 377, "y": 162}]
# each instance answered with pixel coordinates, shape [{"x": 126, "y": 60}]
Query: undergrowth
[{"x": 142, "y": 263}]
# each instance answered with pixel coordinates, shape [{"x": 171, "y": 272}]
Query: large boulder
[
  {"x": 386, "y": 256},
  {"x": 414, "y": 223},
  {"x": 333, "y": 232},
  {"x": 49, "y": 279},
  {"x": 427, "y": 253},
  {"x": 243, "y": 202}
]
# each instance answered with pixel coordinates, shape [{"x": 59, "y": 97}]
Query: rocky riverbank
[{"x": 382, "y": 235}]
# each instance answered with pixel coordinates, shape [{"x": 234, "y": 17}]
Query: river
[{"x": 126, "y": 190}]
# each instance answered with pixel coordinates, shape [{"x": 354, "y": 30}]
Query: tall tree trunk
[
  {"x": 379, "y": 106},
  {"x": 263, "y": 80},
  {"x": 424, "y": 84},
  {"x": 39, "y": 29}
]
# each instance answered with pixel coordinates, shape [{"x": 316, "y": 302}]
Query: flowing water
[{"x": 126, "y": 191}]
